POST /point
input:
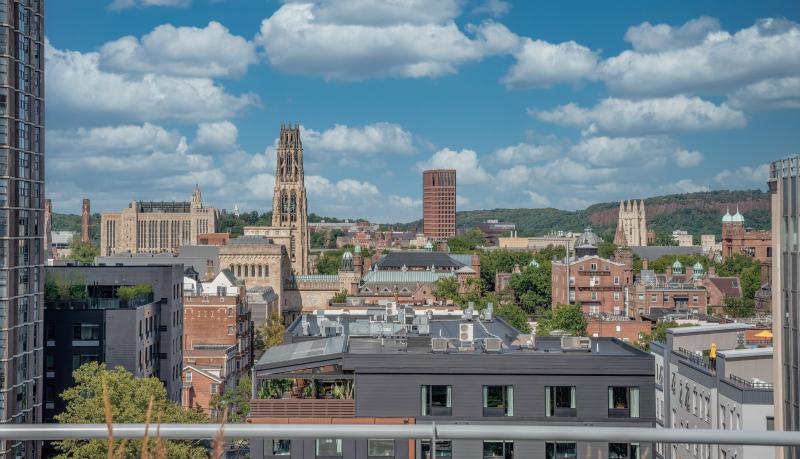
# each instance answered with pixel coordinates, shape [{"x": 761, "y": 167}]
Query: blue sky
[{"x": 536, "y": 104}]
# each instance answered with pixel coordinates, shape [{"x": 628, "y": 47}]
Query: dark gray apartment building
[
  {"x": 784, "y": 186},
  {"x": 94, "y": 322},
  {"x": 398, "y": 365},
  {"x": 21, "y": 216}
]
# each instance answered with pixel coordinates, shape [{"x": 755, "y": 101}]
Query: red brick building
[
  {"x": 596, "y": 283},
  {"x": 623, "y": 328},
  {"x": 736, "y": 239},
  {"x": 439, "y": 203},
  {"x": 216, "y": 342},
  {"x": 213, "y": 238},
  {"x": 677, "y": 289}
]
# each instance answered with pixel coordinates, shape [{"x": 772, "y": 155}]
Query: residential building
[
  {"x": 156, "y": 227},
  {"x": 598, "y": 284},
  {"x": 439, "y": 203},
  {"x": 22, "y": 249},
  {"x": 289, "y": 203},
  {"x": 719, "y": 289},
  {"x": 217, "y": 343},
  {"x": 677, "y": 289},
  {"x": 143, "y": 334},
  {"x": 631, "y": 225},
  {"x": 402, "y": 366},
  {"x": 696, "y": 390},
  {"x": 737, "y": 239},
  {"x": 783, "y": 184}
]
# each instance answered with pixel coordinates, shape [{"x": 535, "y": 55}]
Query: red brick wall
[
  {"x": 626, "y": 330},
  {"x": 607, "y": 295},
  {"x": 439, "y": 203}
]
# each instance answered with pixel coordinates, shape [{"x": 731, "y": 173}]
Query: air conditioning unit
[
  {"x": 439, "y": 344},
  {"x": 493, "y": 344},
  {"x": 465, "y": 332},
  {"x": 525, "y": 341},
  {"x": 576, "y": 343}
]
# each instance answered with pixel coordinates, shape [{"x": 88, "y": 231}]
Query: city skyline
[{"x": 527, "y": 102}]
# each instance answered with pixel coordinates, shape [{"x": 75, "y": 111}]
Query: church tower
[
  {"x": 289, "y": 203},
  {"x": 631, "y": 225}
]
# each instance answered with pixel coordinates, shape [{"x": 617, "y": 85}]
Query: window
[
  {"x": 437, "y": 400},
  {"x": 329, "y": 447},
  {"x": 770, "y": 423},
  {"x": 188, "y": 376},
  {"x": 380, "y": 448},
  {"x": 616, "y": 296},
  {"x": 560, "y": 401},
  {"x": 230, "y": 329},
  {"x": 623, "y": 451},
  {"x": 623, "y": 402},
  {"x": 86, "y": 332},
  {"x": 695, "y": 299},
  {"x": 51, "y": 363},
  {"x": 213, "y": 388},
  {"x": 653, "y": 298},
  {"x": 279, "y": 447},
  {"x": 80, "y": 359},
  {"x": 444, "y": 448},
  {"x": 498, "y": 400},
  {"x": 593, "y": 267},
  {"x": 496, "y": 449},
  {"x": 616, "y": 280},
  {"x": 560, "y": 450}
]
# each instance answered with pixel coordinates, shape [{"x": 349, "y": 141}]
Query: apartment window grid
[{"x": 21, "y": 202}]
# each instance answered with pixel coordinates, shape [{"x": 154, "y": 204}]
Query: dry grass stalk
[
  {"x": 219, "y": 437},
  {"x": 120, "y": 453},
  {"x": 109, "y": 420},
  {"x": 147, "y": 428},
  {"x": 161, "y": 447}
]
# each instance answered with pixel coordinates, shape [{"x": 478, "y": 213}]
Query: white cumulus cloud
[
  {"x": 542, "y": 64},
  {"x": 466, "y": 163},
  {"x": 654, "y": 115},
  {"x": 650, "y": 38},
  {"x": 211, "y": 51},
  {"x": 769, "y": 94},
  {"x": 383, "y": 138}
]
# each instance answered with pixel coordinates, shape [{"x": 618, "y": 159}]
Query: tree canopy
[
  {"x": 236, "y": 400},
  {"x": 129, "y": 399},
  {"x": 84, "y": 252},
  {"x": 270, "y": 333},
  {"x": 467, "y": 242},
  {"x": 567, "y": 318},
  {"x": 532, "y": 288}
]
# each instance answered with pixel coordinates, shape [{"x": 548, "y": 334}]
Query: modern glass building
[
  {"x": 783, "y": 183},
  {"x": 21, "y": 216}
]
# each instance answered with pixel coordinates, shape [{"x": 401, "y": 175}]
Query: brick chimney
[
  {"x": 476, "y": 264},
  {"x": 645, "y": 263},
  {"x": 85, "y": 217},
  {"x": 209, "y": 270}
]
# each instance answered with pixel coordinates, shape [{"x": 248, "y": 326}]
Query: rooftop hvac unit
[
  {"x": 465, "y": 332},
  {"x": 576, "y": 343},
  {"x": 439, "y": 344},
  {"x": 487, "y": 314},
  {"x": 493, "y": 344},
  {"x": 468, "y": 313},
  {"x": 525, "y": 341}
]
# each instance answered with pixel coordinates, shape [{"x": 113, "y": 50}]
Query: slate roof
[
  {"x": 396, "y": 260},
  {"x": 729, "y": 286}
]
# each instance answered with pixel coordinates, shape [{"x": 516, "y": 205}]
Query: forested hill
[{"x": 697, "y": 213}]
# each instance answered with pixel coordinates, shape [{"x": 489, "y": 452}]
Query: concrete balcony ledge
[{"x": 302, "y": 408}]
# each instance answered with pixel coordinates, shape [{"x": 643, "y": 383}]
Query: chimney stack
[{"x": 85, "y": 217}]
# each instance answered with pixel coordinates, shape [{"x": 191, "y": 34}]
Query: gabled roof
[
  {"x": 207, "y": 372},
  {"x": 228, "y": 275},
  {"x": 729, "y": 286}
]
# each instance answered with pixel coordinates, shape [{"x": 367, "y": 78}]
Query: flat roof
[
  {"x": 709, "y": 328},
  {"x": 750, "y": 352}
]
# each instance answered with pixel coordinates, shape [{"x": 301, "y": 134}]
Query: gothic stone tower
[
  {"x": 632, "y": 225},
  {"x": 289, "y": 203}
]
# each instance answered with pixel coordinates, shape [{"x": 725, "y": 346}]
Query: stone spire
[{"x": 289, "y": 202}]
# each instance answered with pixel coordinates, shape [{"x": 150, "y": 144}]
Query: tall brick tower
[
  {"x": 439, "y": 203},
  {"x": 289, "y": 202},
  {"x": 85, "y": 221}
]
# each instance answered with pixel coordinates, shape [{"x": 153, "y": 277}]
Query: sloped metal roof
[{"x": 403, "y": 277}]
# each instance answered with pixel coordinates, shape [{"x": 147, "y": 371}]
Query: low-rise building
[
  {"x": 402, "y": 367},
  {"x": 598, "y": 284},
  {"x": 682, "y": 238},
  {"x": 696, "y": 389},
  {"x": 676, "y": 290},
  {"x": 142, "y": 333}
]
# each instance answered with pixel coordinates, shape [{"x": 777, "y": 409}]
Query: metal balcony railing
[
  {"x": 433, "y": 431},
  {"x": 306, "y": 408},
  {"x": 747, "y": 384}
]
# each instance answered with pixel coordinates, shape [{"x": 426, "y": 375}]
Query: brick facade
[{"x": 439, "y": 203}]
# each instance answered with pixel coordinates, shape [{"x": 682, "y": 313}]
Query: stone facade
[
  {"x": 257, "y": 261},
  {"x": 632, "y": 225},
  {"x": 156, "y": 227}
]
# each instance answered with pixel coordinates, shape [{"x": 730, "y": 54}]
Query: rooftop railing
[
  {"x": 748, "y": 384},
  {"x": 433, "y": 431}
]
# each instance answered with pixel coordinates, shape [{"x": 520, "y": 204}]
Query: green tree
[
  {"x": 606, "y": 249},
  {"x": 740, "y": 307},
  {"x": 446, "y": 288},
  {"x": 514, "y": 315},
  {"x": 126, "y": 292},
  {"x": 84, "y": 252},
  {"x": 658, "y": 333},
  {"x": 551, "y": 252},
  {"x": 129, "y": 399},
  {"x": 747, "y": 269},
  {"x": 567, "y": 318},
  {"x": 467, "y": 242},
  {"x": 340, "y": 297},
  {"x": 329, "y": 262},
  {"x": 501, "y": 261},
  {"x": 532, "y": 288},
  {"x": 64, "y": 287},
  {"x": 236, "y": 400},
  {"x": 270, "y": 333},
  {"x": 664, "y": 239}
]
